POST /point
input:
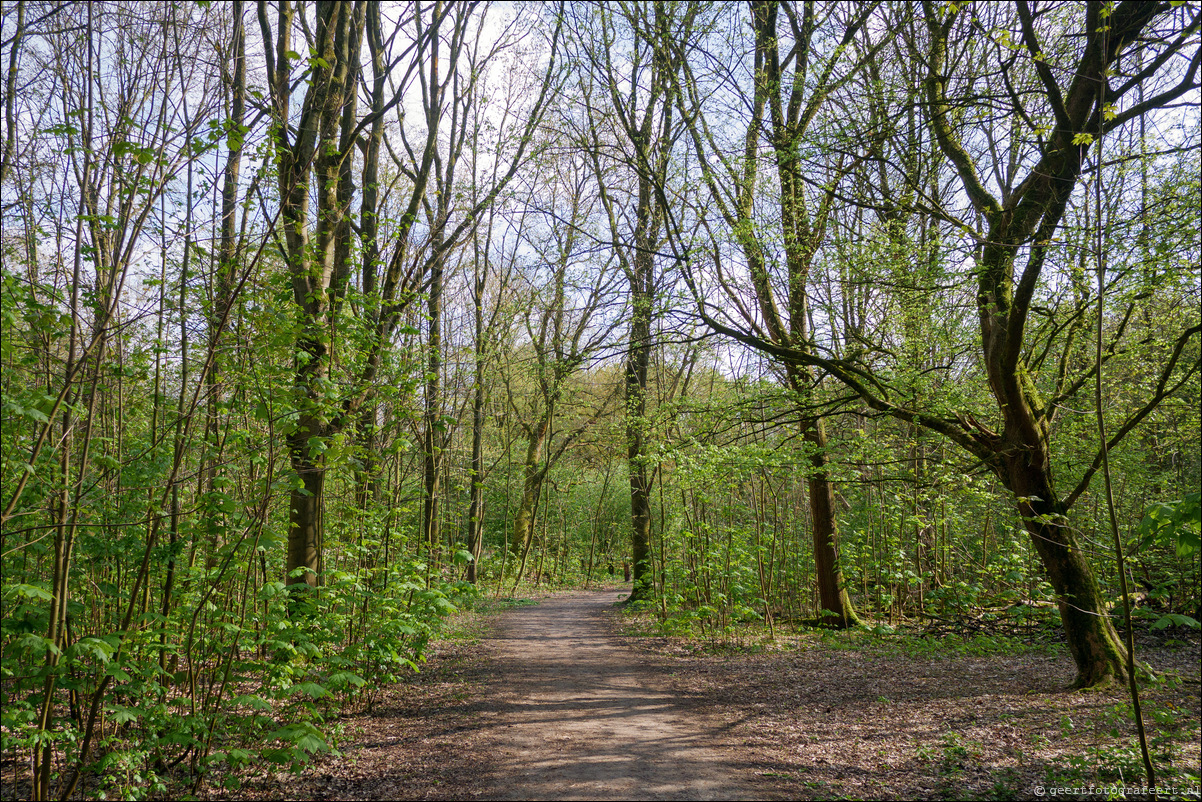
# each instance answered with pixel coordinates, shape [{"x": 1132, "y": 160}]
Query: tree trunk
[
  {"x": 523, "y": 525},
  {"x": 523, "y": 521},
  {"x": 304, "y": 514},
  {"x": 312, "y": 162},
  {"x": 1092, "y": 640},
  {"x": 475, "y": 513},
  {"x": 433, "y": 436},
  {"x": 636, "y": 425},
  {"x": 1028, "y": 217},
  {"x": 1022, "y": 460},
  {"x": 368, "y": 480},
  {"x": 837, "y": 609},
  {"x": 235, "y": 81}
]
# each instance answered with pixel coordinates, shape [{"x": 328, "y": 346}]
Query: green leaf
[
  {"x": 271, "y": 589},
  {"x": 1175, "y": 524},
  {"x": 303, "y": 734},
  {"x": 277, "y": 755},
  {"x": 124, "y": 715},
  {"x": 1175, "y": 619},
  {"x": 312, "y": 690},
  {"x": 252, "y": 701},
  {"x": 33, "y": 592},
  {"x": 312, "y": 743},
  {"x": 101, "y": 649},
  {"x": 343, "y": 678}
]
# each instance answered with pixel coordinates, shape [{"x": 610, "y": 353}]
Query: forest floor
[{"x": 559, "y": 701}]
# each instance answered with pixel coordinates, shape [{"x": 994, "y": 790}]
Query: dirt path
[
  {"x": 550, "y": 704},
  {"x": 546, "y": 705},
  {"x": 578, "y": 716}
]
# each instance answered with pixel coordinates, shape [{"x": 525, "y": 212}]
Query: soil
[
  {"x": 554, "y": 702},
  {"x": 576, "y": 715},
  {"x": 568, "y": 698},
  {"x": 556, "y": 706}
]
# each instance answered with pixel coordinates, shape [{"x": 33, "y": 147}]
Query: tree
[
  {"x": 119, "y": 143},
  {"x": 317, "y": 160},
  {"x": 784, "y": 93},
  {"x": 1019, "y": 229},
  {"x": 473, "y": 55},
  {"x": 630, "y": 127},
  {"x": 566, "y": 322},
  {"x": 1070, "y": 101},
  {"x": 311, "y": 161}
]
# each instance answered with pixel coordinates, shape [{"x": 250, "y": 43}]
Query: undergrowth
[{"x": 257, "y": 691}]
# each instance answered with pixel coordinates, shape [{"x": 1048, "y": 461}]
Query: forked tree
[{"x": 1067, "y": 74}]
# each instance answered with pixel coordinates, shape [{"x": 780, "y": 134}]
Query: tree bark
[
  {"x": 837, "y": 609},
  {"x": 803, "y": 225},
  {"x": 475, "y": 513},
  {"x": 433, "y": 435},
  {"x": 641, "y": 276},
  {"x": 234, "y": 79},
  {"x": 311, "y": 161},
  {"x": 534, "y": 469},
  {"x": 304, "y": 518}
]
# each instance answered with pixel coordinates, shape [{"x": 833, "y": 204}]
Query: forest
[{"x": 324, "y": 320}]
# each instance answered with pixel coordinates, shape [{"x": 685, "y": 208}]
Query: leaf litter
[{"x": 815, "y": 717}]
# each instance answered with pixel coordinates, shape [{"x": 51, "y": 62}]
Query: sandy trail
[{"x": 577, "y": 716}]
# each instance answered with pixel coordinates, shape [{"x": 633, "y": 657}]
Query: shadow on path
[{"x": 574, "y": 715}]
